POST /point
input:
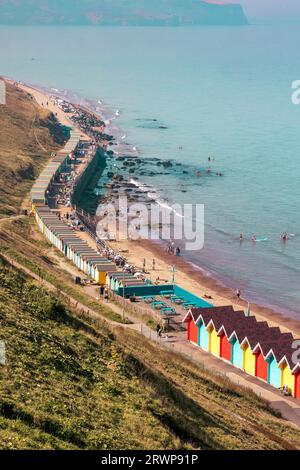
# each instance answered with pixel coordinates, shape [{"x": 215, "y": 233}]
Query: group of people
[
  {"x": 283, "y": 237},
  {"x": 171, "y": 249}
]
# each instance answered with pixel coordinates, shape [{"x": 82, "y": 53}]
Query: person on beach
[
  {"x": 106, "y": 295},
  {"x": 153, "y": 264},
  {"x": 178, "y": 251},
  {"x": 158, "y": 330},
  {"x": 144, "y": 265},
  {"x": 238, "y": 294}
]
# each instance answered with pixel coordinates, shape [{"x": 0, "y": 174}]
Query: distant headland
[{"x": 121, "y": 13}]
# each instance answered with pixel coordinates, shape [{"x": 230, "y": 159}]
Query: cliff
[{"x": 120, "y": 12}]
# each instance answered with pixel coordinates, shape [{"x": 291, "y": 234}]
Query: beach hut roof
[
  {"x": 272, "y": 336},
  {"x": 283, "y": 351},
  {"x": 208, "y": 313}
]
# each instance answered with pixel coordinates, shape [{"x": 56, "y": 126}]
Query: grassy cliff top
[
  {"x": 73, "y": 382},
  {"x": 27, "y": 136}
]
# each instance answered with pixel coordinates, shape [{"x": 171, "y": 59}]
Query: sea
[{"x": 187, "y": 95}]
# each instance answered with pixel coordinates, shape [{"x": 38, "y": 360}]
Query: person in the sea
[
  {"x": 253, "y": 238},
  {"x": 284, "y": 236}
]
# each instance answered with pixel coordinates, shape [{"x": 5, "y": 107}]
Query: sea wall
[{"x": 84, "y": 196}]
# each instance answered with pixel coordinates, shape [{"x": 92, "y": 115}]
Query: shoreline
[{"x": 195, "y": 280}]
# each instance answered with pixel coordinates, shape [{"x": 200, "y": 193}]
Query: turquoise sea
[{"x": 221, "y": 92}]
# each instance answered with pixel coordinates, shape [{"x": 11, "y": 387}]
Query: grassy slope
[
  {"x": 26, "y": 131},
  {"x": 72, "y": 383}
]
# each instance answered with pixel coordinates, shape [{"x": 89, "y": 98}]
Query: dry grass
[{"x": 27, "y": 136}]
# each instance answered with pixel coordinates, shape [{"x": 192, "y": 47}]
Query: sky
[{"x": 270, "y": 9}]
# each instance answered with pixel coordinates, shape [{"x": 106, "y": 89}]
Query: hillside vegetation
[
  {"x": 73, "y": 381},
  {"x": 27, "y": 135}
]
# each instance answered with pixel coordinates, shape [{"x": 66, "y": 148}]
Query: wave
[{"x": 152, "y": 193}]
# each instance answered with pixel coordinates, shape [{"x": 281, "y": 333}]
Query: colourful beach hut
[
  {"x": 193, "y": 327},
  {"x": 225, "y": 346},
  {"x": 204, "y": 335},
  {"x": 296, "y": 372},
  {"x": 287, "y": 377},
  {"x": 248, "y": 358},
  {"x": 261, "y": 365},
  {"x": 214, "y": 340},
  {"x": 237, "y": 354},
  {"x": 274, "y": 372}
]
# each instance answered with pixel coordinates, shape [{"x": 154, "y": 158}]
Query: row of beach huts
[
  {"x": 102, "y": 270},
  {"x": 255, "y": 347}
]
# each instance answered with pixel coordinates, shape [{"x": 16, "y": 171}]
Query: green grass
[{"x": 72, "y": 383}]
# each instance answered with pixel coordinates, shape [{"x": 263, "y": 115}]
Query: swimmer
[
  {"x": 253, "y": 238},
  {"x": 241, "y": 237}
]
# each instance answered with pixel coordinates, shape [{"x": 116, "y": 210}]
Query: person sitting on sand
[{"x": 206, "y": 296}]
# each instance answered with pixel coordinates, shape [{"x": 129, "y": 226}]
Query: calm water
[{"x": 219, "y": 91}]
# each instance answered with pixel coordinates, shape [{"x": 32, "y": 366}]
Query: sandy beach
[{"x": 186, "y": 275}]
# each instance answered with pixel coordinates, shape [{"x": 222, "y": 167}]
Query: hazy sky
[{"x": 272, "y": 9}]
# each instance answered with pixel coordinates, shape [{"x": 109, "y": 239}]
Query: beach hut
[
  {"x": 203, "y": 338},
  {"x": 287, "y": 377},
  {"x": 261, "y": 365},
  {"x": 214, "y": 340},
  {"x": 100, "y": 271},
  {"x": 296, "y": 372},
  {"x": 237, "y": 354},
  {"x": 274, "y": 372},
  {"x": 225, "y": 347},
  {"x": 192, "y": 326},
  {"x": 279, "y": 359},
  {"x": 248, "y": 358}
]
